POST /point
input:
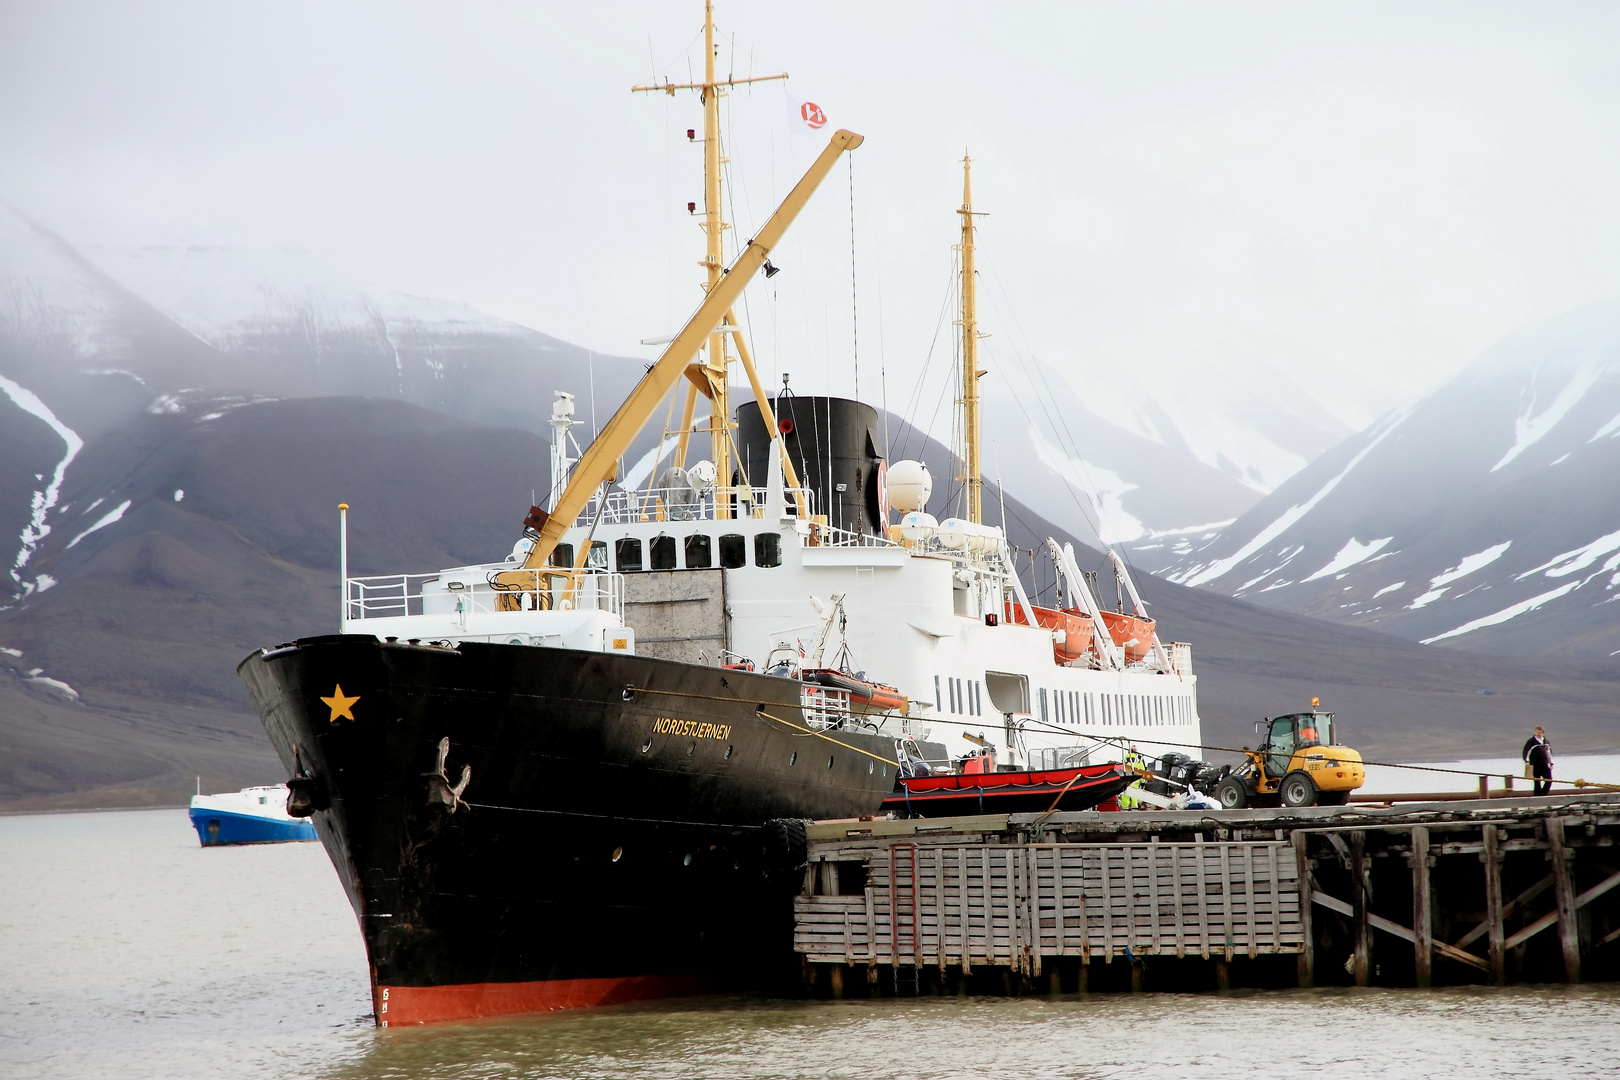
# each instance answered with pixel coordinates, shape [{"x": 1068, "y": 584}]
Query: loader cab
[{"x": 1286, "y": 735}]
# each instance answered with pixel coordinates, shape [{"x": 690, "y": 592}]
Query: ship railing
[
  {"x": 684, "y": 504},
  {"x": 392, "y": 596},
  {"x": 1060, "y": 757},
  {"x": 823, "y": 706},
  {"x": 834, "y": 536},
  {"x": 389, "y": 596}
]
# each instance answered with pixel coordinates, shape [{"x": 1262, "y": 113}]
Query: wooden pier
[{"x": 1485, "y": 891}]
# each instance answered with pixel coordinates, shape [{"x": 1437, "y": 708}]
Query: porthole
[
  {"x": 729, "y": 749},
  {"x": 793, "y": 758},
  {"x": 690, "y": 750},
  {"x": 629, "y": 693},
  {"x": 688, "y": 860},
  {"x": 646, "y": 746},
  {"x": 829, "y": 761},
  {"x": 871, "y": 767},
  {"x": 618, "y": 853}
]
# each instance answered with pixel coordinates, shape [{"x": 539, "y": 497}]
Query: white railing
[
  {"x": 823, "y": 706},
  {"x": 401, "y": 595},
  {"x": 1060, "y": 757},
  {"x": 833, "y": 536},
  {"x": 684, "y": 504},
  {"x": 386, "y": 597}
]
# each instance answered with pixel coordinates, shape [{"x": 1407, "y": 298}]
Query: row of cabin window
[
  {"x": 1111, "y": 710},
  {"x": 627, "y": 553},
  {"x": 964, "y": 697}
]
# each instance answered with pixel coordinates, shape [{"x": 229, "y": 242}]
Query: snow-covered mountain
[
  {"x": 1485, "y": 515},
  {"x": 89, "y": 345}
]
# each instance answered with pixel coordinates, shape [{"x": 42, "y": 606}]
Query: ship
[
  {"x": 254, "y": 815},
  {"x": 579, "y": 775}
]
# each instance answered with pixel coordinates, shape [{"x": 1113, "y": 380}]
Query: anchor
[
  {"x": 305, "y": 793},
  {"x": 439, "y": 790}
]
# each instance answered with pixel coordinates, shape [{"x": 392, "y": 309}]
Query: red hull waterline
[{"x": 398, "y": 1006}]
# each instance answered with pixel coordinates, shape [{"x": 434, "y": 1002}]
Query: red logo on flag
[{"x": 811, "y": 114}]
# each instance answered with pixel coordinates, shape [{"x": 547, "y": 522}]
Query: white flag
[{"x": 808, "y": 114}]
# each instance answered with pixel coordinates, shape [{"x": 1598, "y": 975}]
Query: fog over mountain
[{"x": 1485, "y": 515}]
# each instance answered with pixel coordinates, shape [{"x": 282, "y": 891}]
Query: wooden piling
[
  {"x": 1569, "y": 937},
  {"x": 1422, "y": 908},
  {"x": 1307, "y": 948},
  {"x": 1492, "y": 858},
  {"x": 1360, "y": 900},
  {"x": 1025, "y": 905}
]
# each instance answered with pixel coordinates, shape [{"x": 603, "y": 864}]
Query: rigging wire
[
  {"x": 914, "y": 400},
  {"x": 854, "y": 301},
  {"x": 1017, "y": 324}
]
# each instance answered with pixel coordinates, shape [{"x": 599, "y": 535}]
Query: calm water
[{"x": 128, "y": 951}]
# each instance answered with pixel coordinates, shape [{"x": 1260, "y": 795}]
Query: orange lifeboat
[
  {"x": 862, "y": 693},
  {"x": 1076, "y": 627},
  {"x": 1130, "y": 633}
]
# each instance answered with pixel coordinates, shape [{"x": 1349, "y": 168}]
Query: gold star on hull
[{"x": 341, "y": 706}]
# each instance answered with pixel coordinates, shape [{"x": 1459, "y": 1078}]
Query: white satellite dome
[{"x": 909, "y": 484}]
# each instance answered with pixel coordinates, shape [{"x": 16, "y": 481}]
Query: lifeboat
[
  {"x": 1023, "y": 792},
  {"x": 862, "y": 694},
  {"x": 1076, "y": 627},
  {"x": 1133, "y": 634}
]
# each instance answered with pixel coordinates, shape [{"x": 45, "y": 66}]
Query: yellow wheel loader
[{"x": 1297, "y": 764}]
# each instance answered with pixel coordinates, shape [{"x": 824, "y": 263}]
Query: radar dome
[{"x": 909, "y": 486}]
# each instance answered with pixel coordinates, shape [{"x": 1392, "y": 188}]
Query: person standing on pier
[{"x": 1538, "y": 753}]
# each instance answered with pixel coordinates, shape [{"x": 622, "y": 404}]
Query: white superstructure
[{"x": 931, "y": 616}]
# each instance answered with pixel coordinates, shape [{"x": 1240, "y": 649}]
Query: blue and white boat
[{"x": 255, "y": 815}]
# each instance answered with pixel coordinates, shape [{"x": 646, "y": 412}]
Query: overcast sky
[{"x": 1363, "y": 196}]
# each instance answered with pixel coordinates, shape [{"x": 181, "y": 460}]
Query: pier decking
[{"x": 1484, "y": 891}]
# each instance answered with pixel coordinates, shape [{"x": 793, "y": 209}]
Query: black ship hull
[{"x": 626, "y": 830}]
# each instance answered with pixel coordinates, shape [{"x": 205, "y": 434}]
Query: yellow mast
[
  {"x": 714, "y": 229},
  {"x": 711, "y": 378},
  {"x": 971, "y": 472}
]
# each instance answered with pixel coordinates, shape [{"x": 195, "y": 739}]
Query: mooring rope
[{"x": 1122, "y": 740}]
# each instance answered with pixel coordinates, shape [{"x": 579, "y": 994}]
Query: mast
[
  {"x": 714, "y": 230},
  {"x": 710, "y": 378},
  {"x": 972, "y": 475}
]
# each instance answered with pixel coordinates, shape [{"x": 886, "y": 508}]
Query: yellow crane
[{"x": 598, "y": 463}]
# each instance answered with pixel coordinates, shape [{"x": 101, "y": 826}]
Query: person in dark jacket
[{"x": 1538, "y": 752}]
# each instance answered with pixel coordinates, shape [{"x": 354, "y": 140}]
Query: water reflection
[{"x": 1440, "y": 1034}]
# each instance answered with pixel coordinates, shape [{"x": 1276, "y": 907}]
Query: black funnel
[{"x": 833, "y": 443}]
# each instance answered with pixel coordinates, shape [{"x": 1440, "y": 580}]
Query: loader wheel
[
  {"x": 1231, "y": 794},
  {"x": 1298, "y": 790}
]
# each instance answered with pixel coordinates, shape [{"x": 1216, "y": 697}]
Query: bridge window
[
  {"x": 562, "y": 555},
  {"x": 767, "y": 549},
  {"x": 597, "y": 559},
  {"x": 662, "y": 553},
  {"x": 628, "y": 555},
  {"x": 733, "y": 551},
  {"x": 699, "y": 551}
]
